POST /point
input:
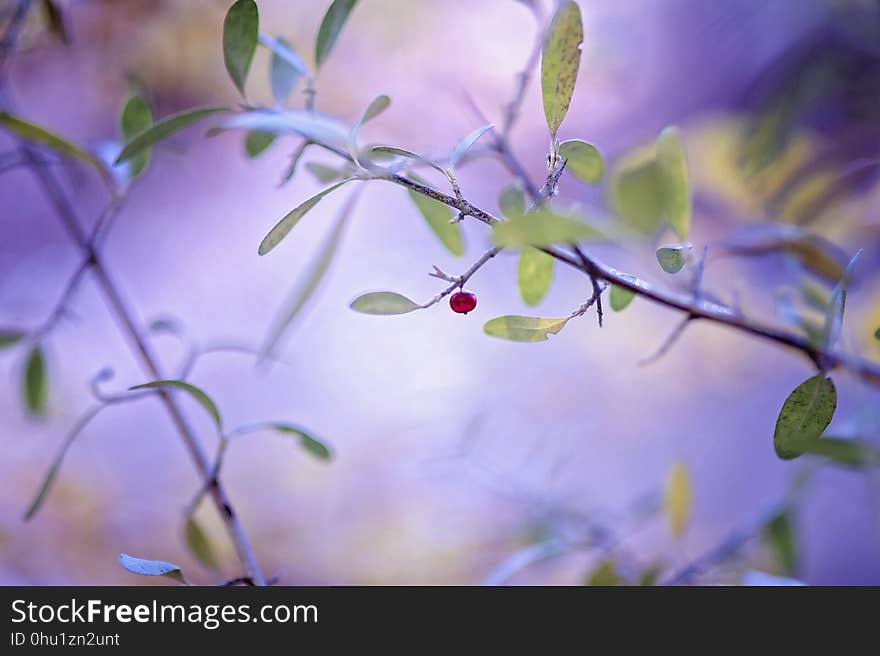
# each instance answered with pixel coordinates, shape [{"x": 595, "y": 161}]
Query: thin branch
[{"x": 459, "y": 281}]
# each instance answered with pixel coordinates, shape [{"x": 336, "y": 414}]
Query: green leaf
[
  {"x": 845, "y": 452},
  {"x": 638, "y": 195},
  {"x": 605, "y": 574},
  {"x": 39, "y": 135},
  {"x": 673, "y": 258},
  {"x": 779, "y": 536},
  {"x": 136, "y": 118},
  {"x": 805, "y": 414},
  {"x": 560, "y": 59},
  {"x": 310, "y": 443},
  {"x": 540, "y": 228},
  {"x": 512, "y": 201},
  {"x": 151, "y": 567},
  {"x": 465, "y": 144},
  {"x": 199, "y": 395},
  {"x": 35, "y": 387},
  {"x": 324, "y": 174},
  {"x": 256, "y": 142},
  {"x": 408, "y": 154},
  {"x": 438, "y": 216},
  {"x": 583, "y": 160},
  {"x": 10, "y": 337},
  {"x": 308, "y": 283},
  {"x": 164, "y": 129},
  {"x": 534, "y": 275},
  {"x": 678, "y": 498},
  {"x": 330, "y": 28},
  {"x": 305, "y": 123},
  {"x": 285, "y": 225},
  {"x": 55, "y": 467},
  {"x": 383, "y": 303},
  {"x": 199, "y": 544},
  {"x": 619, "y": 297},
  {"x": 523, "y": 329},
  {"x": 378, "y": 105},
  {"x": 241, "y": 31},
  {"x": 837, "y": 305},
  {"x": 285, "y": 67},
  {"x": 673, "y": 168}
]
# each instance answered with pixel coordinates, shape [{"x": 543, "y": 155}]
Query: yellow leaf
[{"x": 678, "y": 499}]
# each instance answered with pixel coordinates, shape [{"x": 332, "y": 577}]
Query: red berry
[{"x": 462, "y": 302}]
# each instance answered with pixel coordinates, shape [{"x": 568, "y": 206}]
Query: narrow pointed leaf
[
  {"x": 465, "y": 144},
  {"x": 673, "y": 258},
  {"x": 309, "y": 282},
  {"x": 408, "y": 154},
  {"x": 378, "y": 105},
  {"x": 135, "y": 119},
  {"x": 438, "y": 216},
  {"x": 804, "y": 416},
  {"x": 512, "y": 202},
  {"x": 285, "y": 225},
  {"x": 164, "y": 129},
  {"x": 583, "y": 160},
  {"x": 534, "y": 275},
  {"x": 671, "y": 160},
  {"x": 310, "y": 125},
  {"x": 308, "y": 442},
  {"x": 37, "y": 134},
  {"x": 523, "y": 329},
  {"x": 35, "y": 387},
  {"x": 560, "y": 59},
  {"x": 198, "y": 394},
  {"x": 199, "y": 544},
  {"x": 837, "y": 305},
  {"x": 151, "y": 567},
  {"x": 383, "y": 303},
  {"x": 241, "y": 30},
  {"x": 677, "y": 499},
  {"x": 285, "y": 67},
  {"x": 256, "y": 142},
  {"x": 331, "y": 26}
]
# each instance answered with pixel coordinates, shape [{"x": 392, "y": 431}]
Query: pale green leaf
[
  {"x": 678, "y": 498},
  {"x": 305, "y": 123},
  {"x": 164, "y": 129},
  {"x": 583, "y": 160},
  {"x": 199, "y": 545},
  {"x": 779, "y": 535},
  {"x": 438, "y": 216},
  {"x": 465, "y": 144},
  {"x": 534, "y": 275},
  {"x": 512, "y": 201},
  {"x": 560, "y": 59},
  {"x": 540, "y": 228},
  {"x": 378, "y": 105},
  {"x": 638, "y": 195},
  {"x": 383, "y": 303},
  {"x": 323, "y": 173},
  {"x": 136, "y": 118},
  {"x": 285, "y": 67},
  {"x": 241, "y": 30},
  {"x": 673, "y": 167},
  {"x": 620, "y": 297},
  {"x": 309, "y": 281},
  {"x": 523, "y": 329},
  {"x": 673, "y": 258},
  {"x": 151, "y": 567},
  {"x": 37, "y": 134},
  {"x": 196, "y": 393},
  {"x": 308, "y": 442},
  {"x": 256, "y": 142},
  {"x": 854, "y": 453},
  {"x": 837, "y": 305},
  {"x": 35, "y": 385},
  {"x": 804, "y": 416},
  {"x": 331, "y": 26},
  {"x": 285, "y": 225},
  {"x": 408, "y": 154}
]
